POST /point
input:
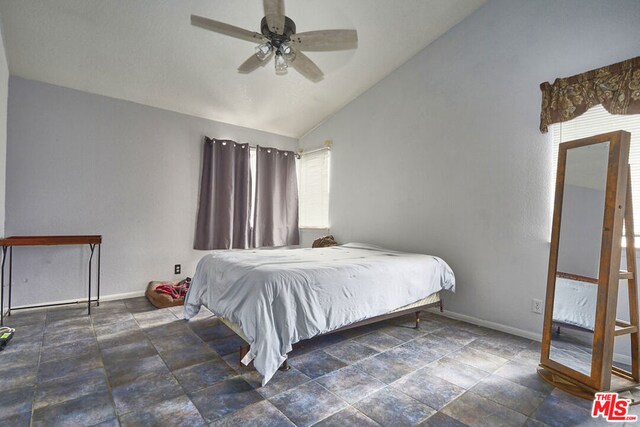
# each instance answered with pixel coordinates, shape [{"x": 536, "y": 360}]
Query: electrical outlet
[
  {"x": 536, "y": 306},
  {"x": 177, "y": 269}
]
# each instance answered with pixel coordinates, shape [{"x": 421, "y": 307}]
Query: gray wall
[
  {"x": 86, "y": 164},
  {"x": 4, "y": 94},
  {"x": 444, "y": 155}
]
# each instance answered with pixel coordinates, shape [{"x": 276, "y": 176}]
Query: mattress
[
  {"x": 575, "y": 303},
  {"x": 431, "y": 299},
  {"x": 278, "y": 297}
]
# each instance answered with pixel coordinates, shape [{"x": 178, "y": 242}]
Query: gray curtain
[
  {"x": 225, "y": 196},
  {"x": 275, "y": 220}
]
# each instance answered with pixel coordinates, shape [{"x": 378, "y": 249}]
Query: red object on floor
[{"x": 167, "y": 294}]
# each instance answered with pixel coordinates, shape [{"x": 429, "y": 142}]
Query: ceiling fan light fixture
[
  {"x": 287, "y": 51},
  {"x": 281, "y": 64},
  {"x": 263, "y": 51}
]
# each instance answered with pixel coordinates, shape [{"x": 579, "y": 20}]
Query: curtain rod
[{"x": 255, "y": 147}]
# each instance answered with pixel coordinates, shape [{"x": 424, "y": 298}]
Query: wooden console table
[{"x": 8, "y": 244}]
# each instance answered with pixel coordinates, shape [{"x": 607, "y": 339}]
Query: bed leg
[
  {"x": 417, "y": 320},
  {"x": 441, "y": 306},
  {"x": 243, "y": 352},
  {"x": 285, "y": 365}
]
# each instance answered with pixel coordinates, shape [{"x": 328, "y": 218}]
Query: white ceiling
[{"x": 147, "y": 52}]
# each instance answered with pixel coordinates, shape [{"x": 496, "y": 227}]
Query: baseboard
[
  {"x": 111, "y": 297},
  {"x": 622, "y": 358}
]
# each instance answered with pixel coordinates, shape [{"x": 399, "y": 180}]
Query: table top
[{"x": 50, "y": 240}]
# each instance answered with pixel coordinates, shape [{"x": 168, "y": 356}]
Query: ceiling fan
[{"x": 278, "y": 38}]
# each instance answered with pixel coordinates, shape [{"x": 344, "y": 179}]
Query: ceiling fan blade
[
  {"x": 325, "y": 40},
  {"x": 274, "y": 13},
  {"x": 253, "y": 63},
  {"x": 226, "y": 29},
  {"x": 306, "y": 67}
]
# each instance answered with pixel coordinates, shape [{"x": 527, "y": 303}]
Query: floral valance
[{"x": 616, "y": 87}]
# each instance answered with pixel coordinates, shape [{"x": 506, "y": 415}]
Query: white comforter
[
  {"x": 575, "y": 303},
  {"x": 279, "y": 297}
]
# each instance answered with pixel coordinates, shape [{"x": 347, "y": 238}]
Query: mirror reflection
[{"x": 576, "y": 288}]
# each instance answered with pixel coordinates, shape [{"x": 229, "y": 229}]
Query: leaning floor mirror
[{"x": 592, "y": 213}]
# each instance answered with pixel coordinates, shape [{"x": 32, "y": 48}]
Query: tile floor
[{"x": 132, "y": 365}]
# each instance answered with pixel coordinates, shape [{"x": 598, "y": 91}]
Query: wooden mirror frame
[{"x": 618, "y": 206}]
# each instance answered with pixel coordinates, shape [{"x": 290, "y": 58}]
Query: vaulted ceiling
[{"x": 147, "y": 52}]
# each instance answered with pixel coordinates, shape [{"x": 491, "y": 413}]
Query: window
[
  {"x": 596, "y": 121},
  {"x": 313, "y": 188}
]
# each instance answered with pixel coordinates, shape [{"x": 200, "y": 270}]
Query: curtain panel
[
  {"x": 276, "y": 202},
  {"x": 225, "y": 196},
  {"x": 616, "y": 87}
]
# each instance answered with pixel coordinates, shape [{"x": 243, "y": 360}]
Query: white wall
[
  {"x": 79, "y": 163},
  {"x": 4, "y": 93},
  {"x": 444, "y": 155}
]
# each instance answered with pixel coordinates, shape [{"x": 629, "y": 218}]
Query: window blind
[
  {"x": 313, "y": 189},
  {"x": 596, "y": 121}
]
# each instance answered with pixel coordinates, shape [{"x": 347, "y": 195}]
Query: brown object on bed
[
  {"x": 161, "y": 300},
  {"x": 324, "y": 241}
]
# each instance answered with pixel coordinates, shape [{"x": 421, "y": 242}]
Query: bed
[
  {"x": 275, "y": 298},
  {"x": 575, "y": 302}
]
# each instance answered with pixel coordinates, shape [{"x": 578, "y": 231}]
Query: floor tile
[
  {"x": 15, "y": 401},
  {"x": 455, "y": 372},
  {"x": 144, "y": 392},
  {"x": 196, "y": 377},
  {"x": 350, "y": 384},
  {"x": 414, "y": 354},
  {"x": 261, "y": 414},
  {"x": 403, "y": 333},
  {"x": 509, "y": 394},
  {"x": 176, "y": 341},
  {"x": 350, "y": 351},
  {"x": 70, "y": 349},
  {"x": 317, "y": 343},
  {"x": 227, "y": 345},
  {"x": 316, "y": 364},
  {"x": 349, "y": 416},
  {"x": 110, "y": 318},
  {"x": 133, "y": 369},
  {"x": 61, "y": 336},
  {"x": 14, "y": 377},
  {"x": 23, "y": 318},
  {"x": 178, "y": 411},
  {"x": 94, "y": 407},
  {"x": 525, "y": 375},
  {"x": 385, "y": 367},
  {"x": 225, "y": 398},
  {"x": 456, "y": 334},
  {"x": 308, "y": 404},
  {"x": 70, "y": 387},
  {"x": 122, "y": 354},
  {"x": 478, "y": 358},
  {"x": 498, "y": 348},
  {"x": 441, "y": 420},
  {"x": 379, "y": 341},
  {"x": 428, "y": 389},
  {"x": 559, "y": 412},
  {"x": 280, "y": 382},
  {"x": 21, "y": 419},
  {"x": 441, "y": 344},
  {"x": 187, "y": 356},
  {"x": 25, "y": 356},
  {"x": 210, "y": 329},
  {"x": 73, "y": 365},
  {"x": 476, "y": 411},
  {"x": 392, "y": 407}
]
